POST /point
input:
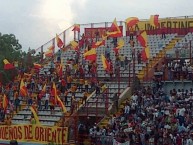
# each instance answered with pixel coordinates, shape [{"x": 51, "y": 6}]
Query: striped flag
[
  {"x": 37, "y": 66},
  {"x": 35, "y": 115},
  {"x": 7, "y": 65},
  {"x": 61, "y": 104},
  {"x": 145, "y": 54},
  {"x": 59, "y": 42},
  {"x": 154, "y": 20},
  {"x": 105, "y": 63},
  {"x": 142, "y": 38},
  {"x": 131, "y": 21},
  {"x": 5, "y": 102},
  {"x": 74, "y": 45},
  {"x": 115, "y": 30},
  {"x": 76, "y": 28},
  {"x": 90, "y": 55},
  {"x": 23, "y": 89}
]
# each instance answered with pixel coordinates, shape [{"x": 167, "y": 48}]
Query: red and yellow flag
[
  {"x": 35, "y": 115},
  {"x": 90, "y": 55},
  {"x": 37, "y": 66},
  {"x": 59, "y": 42},
  {"x": 61, "y": 104},
  {"x": 74, "y": 45},
  {"x": 7, "y": 65},
  {"x": 131, "y": 21},
  {"x": 145, "y": 54},
  {"x": 27, "y": 75},
  {"x": 5, "y": 102},
  {"x": 120, "y": 44},
  {"x": 76, "y": 28},
  {"x": 142, "y": 38},
  {"x": 105, "y": 63},
  {"x": 54, "y": 91},
  {"x": 98, "y": 44},
  {"x": 49, "y": 53},
  {"x": 154, "y": 20},
  {"x": 43, "y": 90},
  {"x": 60, "y": 70},
  {"x": 23, "y": 89},
  {"x": 115, "y": 30}
]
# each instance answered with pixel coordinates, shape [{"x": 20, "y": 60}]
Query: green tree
[{"x": 10, "y": 49}]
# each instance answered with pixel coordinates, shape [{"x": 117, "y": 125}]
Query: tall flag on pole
[
  {"x": 37, "y": 66},
  {"x": 105, "y": 63},
  {"x": 99, "y": 43},
  {"x": 120, "y": 44},
  {"x": 154, "y": 20},
  {"x": 23, "y": 89},
  {"x": 115, "y": 30},
  {"x": 142, "y": 38},
  {"x": 43, "y": 91},
  {"x": 7, "y": 65},
  {"x": 50, "y": 51},
  {"x": 5, "y": 102},
  {"x": 145, "y": 54},
  {"x": 59, "y": 42},
  {"x": 54, "y": 91},
  {"x": 35, "y": 115},
  {"x": 76, "y": 28},
  {"x": 131, "y": 21},
  {"x": 61, "y": 104},
  {"x": 90, "y": 55},
  {"x": 60, "y": 70}
]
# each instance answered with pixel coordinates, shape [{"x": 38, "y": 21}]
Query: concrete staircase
[
  {"x": 145, "y": 73},
  {"x": 105, "y": 120}
]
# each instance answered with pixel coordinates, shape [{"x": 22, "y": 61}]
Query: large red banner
[{"x": 92, "y": 32}]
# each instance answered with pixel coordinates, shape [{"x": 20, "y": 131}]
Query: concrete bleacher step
[
  {"x": 159, "y": 56},
  {"x": 106, "y": 119}
]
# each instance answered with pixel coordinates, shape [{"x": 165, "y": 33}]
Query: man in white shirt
[{"x": 47, "y": 97}]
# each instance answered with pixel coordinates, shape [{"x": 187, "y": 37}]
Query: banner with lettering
[
  {"x": 91, "y": 32},
  {"x": 34, "y": 133},
  {"x": 171, "y": 25},
  {"x": 118, "y": 143}
]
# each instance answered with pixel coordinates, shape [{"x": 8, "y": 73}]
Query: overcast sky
[{"x": 34, "y": 22}]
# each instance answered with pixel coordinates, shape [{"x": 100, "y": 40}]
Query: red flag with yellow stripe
[
  {"x": 90, "y": 55},
  {"x": 115, "y": 30},
  {"x": 59, "y": 41},
  {"x": 76, "y": 28},
  {"x": 23, "y": 89},
  {"x": 154, "y": 20},
  {"x": 7, "y": 65},
  {"x": 35, "y": 115},
  {"x": 105, "y": 63},
  {"x": 131, "y": 21},
  {"x": 61, "y": 104},
  {"x": 5, "y": 102},
  {"x": 142, "y": 38}
]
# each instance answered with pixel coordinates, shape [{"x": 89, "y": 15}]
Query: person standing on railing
[
  {"x": 84, "y": 98},
  {"x": 131, "y": 32},
  {"x": 116, "y": 101},
  {"x": 163, "y": 31},
  {"x": 47, "y": 98}
]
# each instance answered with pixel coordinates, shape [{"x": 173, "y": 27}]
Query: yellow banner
[
  {"x": 168, "y": 23},
  {"x": 34, "y": 133}
]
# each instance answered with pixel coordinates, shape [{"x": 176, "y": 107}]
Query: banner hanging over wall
[
  {"x": 167, "y": 23},
  {"x": 91, "y": 32},
  {"x": 34, "y": 133}
]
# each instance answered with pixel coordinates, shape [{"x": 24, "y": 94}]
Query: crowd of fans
[{"x": 151, "y": 117}]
